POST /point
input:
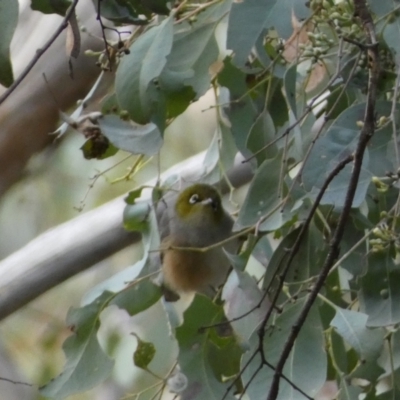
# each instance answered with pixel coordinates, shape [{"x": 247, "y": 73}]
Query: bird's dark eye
[{"x": 194, "y": 198}]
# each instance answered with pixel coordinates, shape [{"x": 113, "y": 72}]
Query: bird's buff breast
[{"x": 187, "y": 271}]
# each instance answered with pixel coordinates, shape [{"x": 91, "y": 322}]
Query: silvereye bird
[{"x": 195, "y": 219}]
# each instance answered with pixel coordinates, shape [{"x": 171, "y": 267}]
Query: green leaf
[
  {"x": 224, "y": 356},
  {"x": 242, "y": 112},
  {"x": 391, "y": 33},
  {"x": 243, "y": 300},
  {"x": 109, "y": 105},
  {"x": 308, "y": 259},
  {"x": 137, "y": 70},
  {"x": 261, "y": 134},
  {"x": 380, "y": 8},
  {"x": 338, "y": 142},
  {"x": 380, "y": 290},
  {"x": 355, "y": 262},
  {"x": 51, "y": 6},
  {"x": 194, "y": 351},
  {"x": 136, "y": 216},
  {"x": 98, "y": 147},
  {"x": 157, "y": 6},
  {"x": 338, "y": 353},
  {"x": 347, "y": 391},
  {"x": 220, "y": 155},
  {"x": 133, "y": 195},
  {"x": 138, "y": 296},
  {"x": 186, "y": 75},
  {"x": 248, "y": 19},
  {"x": 260, "y": 203},
  {"x": 147, "y": 267},
  {"x": 308, "y": 351},
  {"x": 132, "y": 138},
  {"x": 8, "y": 23},
  {"x": 242, "y": 34},
  {"x": 281, "y": 15},
  {"x": 87, "y": 365},
  {"x": 121, "y": 12},
  {"x": 390, "y": 359},
  {"x": 144, "y": 353},
  {"x": 290, "y": 88},
  {"x": 190, "y": 68},
  {"x": 368, "y": 343},
  {"x": 306, "y": 263}
]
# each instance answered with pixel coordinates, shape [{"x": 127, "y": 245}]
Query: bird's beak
[{"x": 207, "y": 201}]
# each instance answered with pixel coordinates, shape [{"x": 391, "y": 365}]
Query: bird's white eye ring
[{"x": 194, "y": 198}]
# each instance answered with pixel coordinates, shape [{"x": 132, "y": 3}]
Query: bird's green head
[{"x": 199, "y": 202}]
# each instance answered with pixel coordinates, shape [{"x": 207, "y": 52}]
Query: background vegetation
[{"x": 306, "y": 93}]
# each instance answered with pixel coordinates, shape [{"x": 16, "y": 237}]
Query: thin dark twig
[
  {"x": 103, "y": 28},
  {"x": 300, "y": 236},
  {"x": 294, "y": 386},
  {"x": 365, "y": 135},
  {"x": 294, "y": 250},
  {"x": 230, "y": 387},
  {"x": 362, "y": 46},
  {"x": 40, "y": 52},
  {"x": 253, "y": 376},
  {"x": 15, "y": 382}
]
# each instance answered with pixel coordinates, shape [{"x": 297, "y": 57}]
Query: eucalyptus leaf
[
  {"x": 248, "y": 19},
  {"x": 367, "y": 342},
  {"x": 138, "y": 296},
  {"x": 135, "y": 139},
  {"x": 261, "y": 135},
  {"x": 121, "y": 11},
  {"x": 261, "y": 205},
  {"x": 380, "y": 291},
  {"x": 144, "y": 353},
  {"x": 338, "y": 143},
  {"x": 87, "y": 365},
  {"x": 136, "y": 216},
  {"x": 193, "y": 356},
  {"x": 137, "y": 70},
  {"x": 307, "y": 351},
  {"x": 8, "y": 23},
  {"x": 240, "y": 110},
  {"x": 244, "y": 304},
  {"x": 51, "y": 6},
  {"x": 242, "y": 35},
  {"x": 220, "y": 156},
  {"x": 290, "y": 88}
]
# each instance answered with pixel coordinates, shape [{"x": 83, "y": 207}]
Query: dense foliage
[{"x": 307, "y": 93}]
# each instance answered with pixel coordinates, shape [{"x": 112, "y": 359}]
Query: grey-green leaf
[
  {"x": 380, "y": 290},
  {"x": 263, "y": 198},
  {"x": 51, "y": 6},
  {"x": 87, "y": 365},
  {"x": 8, "y": 23},
  {"x": 194, "y": 349},
  {"x": 306, "y": 365},
  {"x": 338, "y": 143},
  {"x": 136, "y": 139},
  {"x": 351, "y": 325},
  {"x": 147, "y": 58}
]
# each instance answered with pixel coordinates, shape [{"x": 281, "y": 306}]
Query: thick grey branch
[{"x": 74, "y": 246}]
